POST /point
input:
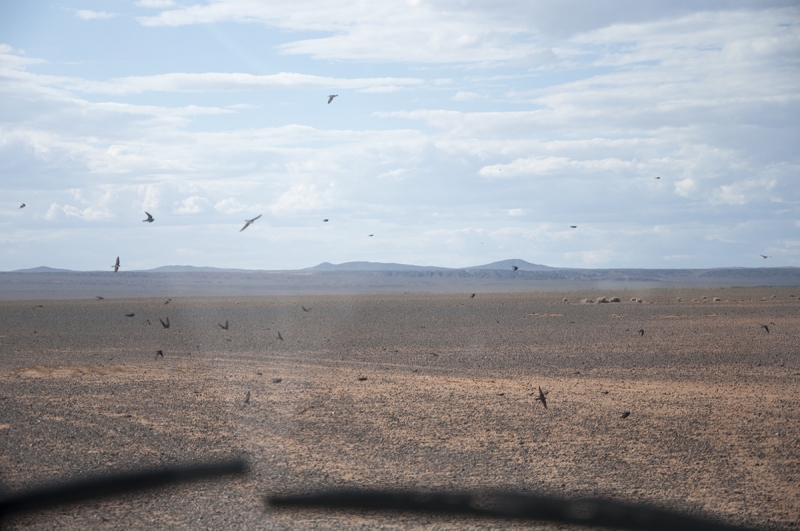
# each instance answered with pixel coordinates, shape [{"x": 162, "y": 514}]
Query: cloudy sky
[{"x": 464, "y": 132}]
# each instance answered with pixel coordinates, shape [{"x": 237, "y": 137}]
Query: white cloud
[
  {"x": 12, "y": 58},
  {"x": 516, "y": 212},
  {"x": 423, "y": 32},
  {"x": 155, "y": 4},
  {"x": 230, "y": 206},
  {"x": 743, "y": 192},
  {"x": 466, "y": 96},
  {"x": 225, "y": 82},
  {"x": 192, "y": 205},
  {"x": 302, "y": 198},
  {"x": 87, "y": 14},
  {"x": 551, "y": 165},
  {"x": 152, "y": 196},
  {"x": 593, "y": 258},
  {"x": 685, "y": 187}
]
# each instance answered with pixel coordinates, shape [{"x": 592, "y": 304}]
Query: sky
[{"x": 463, "y": 133}]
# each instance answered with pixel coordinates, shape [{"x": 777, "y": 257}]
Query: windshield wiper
[
  {"x": 113, "y": 485},
  {"x": 589, "y": 512}
]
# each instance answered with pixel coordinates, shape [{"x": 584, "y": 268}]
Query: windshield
[{"x": 434, "y": 247}]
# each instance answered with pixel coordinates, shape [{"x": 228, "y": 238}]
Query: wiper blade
[
  {"x": 113, "y": 485},
  {"x": 588, "y": 512}
]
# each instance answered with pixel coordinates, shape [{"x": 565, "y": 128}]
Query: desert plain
[{"x": 435, "y": 392}]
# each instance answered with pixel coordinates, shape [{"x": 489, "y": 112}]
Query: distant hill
[
  {"x": 371, "y": 266},
  {"x": 507, "y": 264},
  {"x": 42, "y": 269}
]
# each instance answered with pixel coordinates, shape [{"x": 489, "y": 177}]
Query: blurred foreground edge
[
  {"x": 113, "y": 485},
  {"x": 588, "y": 512}
]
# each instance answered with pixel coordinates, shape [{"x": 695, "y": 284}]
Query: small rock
[
  {"x": 362, "y": 378},
  {"x": 276, "y": 380}
]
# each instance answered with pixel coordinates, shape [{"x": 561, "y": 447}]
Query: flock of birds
[{"x": 249, "y": 222}]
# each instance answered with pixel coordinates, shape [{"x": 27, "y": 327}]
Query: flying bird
[
  {"x": 168, "y": 301},
  {"x": 116, "y": 265},
  {"x": 514, "y": 268},
  {"x": 149, "y": 219},
  {"x": 159, "y": 353},
  {"x": 325, "y": 220},
  {"x": 641, "y": 332},
  {"x": 224, "y": 326},
  {"x": 573, "y": 226},
  {"x": 280, "y": 336},
  {"x": 541, "y": 398},
  {"x": 765, "y": 327},
  {"x": 306, "y": 309},
  {"x": 165, "y": 325},
  {"x": 764, "y": 257},
  {"x": 625, "y": 414},
  {"x": 658, "y": 177},
  {"x": 22, "y": 205},
  {"x": 472, "y": 296},
  {"x": 129, "y": 314},
  {"x": 330, "y": 98},
  {"x": 98, "y": 297},
  {"x": 249, "y": 222},
  {"x": 370, "y": 235}
]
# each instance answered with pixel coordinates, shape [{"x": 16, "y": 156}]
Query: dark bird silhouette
[
  {"x": 249, "y": 222},
  {"x": 324, "y": 220},
  {"x": 641, "y": 332},
  {"x": 280, "y": 336},
  {"x": 159, "y": 353},
  {"x": 371, "y": 235},
  {"x": 658, "y": 177},
  {"x": 472, "y": 296},
  {"x": 514, "y": 268},
  {"x": 541, "y": 398},
  {"x": 165, "y": 325},
  {"x": 573, "y": 226},
  {"x": 765, "y": 327},
  {"x": 129, "y": 315},
  {"x": 625, "y": 414},
  {"x": 149, "y": 219},
  {"x": 224, "y": 326},
  {"x": 330, "y": 98},
  {"x": 306, "y": 309},
  {"x": 22, "y": 205},
  {"x": 116, "y": 265},
  {"x": 98, "y": 297},
  {"x": 168, "y": 301},
  {"x": 362, "y": 378},
  {"x": 763, "y": 256}
]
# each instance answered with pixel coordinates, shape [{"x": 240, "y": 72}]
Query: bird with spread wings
[{"x": 249, "y": 222}]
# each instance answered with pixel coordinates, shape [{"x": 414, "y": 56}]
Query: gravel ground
[{"x": 448, "y": 402}]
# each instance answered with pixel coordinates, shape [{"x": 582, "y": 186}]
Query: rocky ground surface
[{"x": 431, "y": 392}]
